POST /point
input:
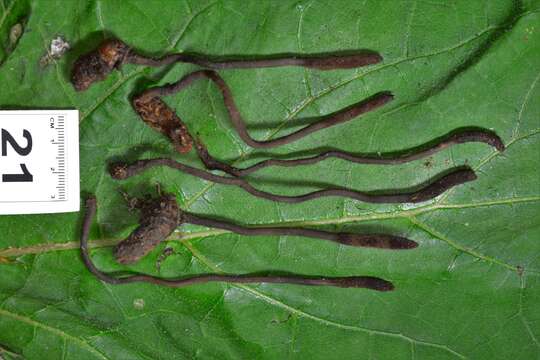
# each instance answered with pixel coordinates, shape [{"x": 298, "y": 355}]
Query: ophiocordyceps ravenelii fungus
[
  {"x": 140, "y": 103},
  {"x": 457, "y": 137},
  {"x": 458, "y": 176},
  {"x": 112, "y": 53},
  {"x": 368, "y": 282},
  {"x": 160, "y": 216}
]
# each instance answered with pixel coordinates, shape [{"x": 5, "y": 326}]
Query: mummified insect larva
[
  {"x": 97, "y": 64},
  {"x": 162, "y": 118},
  {"x": 157, "y": 221}
]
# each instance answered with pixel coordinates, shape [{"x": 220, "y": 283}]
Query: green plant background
[{"x": 471, "y": 290}]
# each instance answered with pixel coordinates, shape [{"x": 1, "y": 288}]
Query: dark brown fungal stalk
[
  {"x": 238, "y": 122},
  {"x": 368, "y": 282},
  {"x": 465, "y": 136},
  {"x": 159, "y": 217},
  {"x": 121, "y": 171},
  {"x": 319, "y": 62},
  {"x": 113, "y": 53},
  {"x": 380, "y": 241},
  {"x": 162, "y": 118}
]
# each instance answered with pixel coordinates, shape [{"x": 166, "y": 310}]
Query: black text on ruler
[
  {"x": 59, "y": 169},
  {"x": 39, "y": 161},
  {"x": 8, "y": 140}
]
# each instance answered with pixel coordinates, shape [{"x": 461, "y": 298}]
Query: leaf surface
[{"x": 470, "y": 290}]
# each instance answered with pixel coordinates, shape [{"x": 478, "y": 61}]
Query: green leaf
[
  {"x": 471, "y": 289},
  {"x": 13, "y": 16}
]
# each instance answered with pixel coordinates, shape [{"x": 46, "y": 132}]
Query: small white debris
[
  {"x": 138, "y": 304},
  {"x": 58, "y": 47}
]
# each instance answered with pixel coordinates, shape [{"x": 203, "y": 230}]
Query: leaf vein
[
  {"x": 48, "y": 247},
  {"x": 272, "y": 301},
  {"x": 62, "y": 334}
]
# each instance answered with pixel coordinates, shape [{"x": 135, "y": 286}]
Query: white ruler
[{"x": 39, "y": 161}]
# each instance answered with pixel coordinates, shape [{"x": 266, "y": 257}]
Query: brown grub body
[
  {"x": 159, "y": 116},
  {"x": 96, "y": 65},
  {"x": 159, "y": 218}
]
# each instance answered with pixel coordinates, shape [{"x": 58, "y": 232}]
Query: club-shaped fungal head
[
  {"x": 159, "y": 116},
  {"x": 480, "y": 135},
  {"x": 97, "y": 64},
  {"x": 159, "y": 218},
  {"x": 372, "y": 103},
  {"x": 349, "y": 61},
  {"x": 368, "y": 282},
  {"x": 380, "y": 241},
  {"x": 443, "y": 184}
]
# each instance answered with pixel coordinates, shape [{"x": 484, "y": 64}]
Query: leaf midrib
[{"x": 180, "y": 236}]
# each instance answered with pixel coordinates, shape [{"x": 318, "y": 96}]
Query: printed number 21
[{"x": 23, "y": 151}]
